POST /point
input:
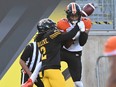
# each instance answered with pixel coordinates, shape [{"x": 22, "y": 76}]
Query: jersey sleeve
[
  {"x": 83, "y": 38},
  {"x": 68, "y": 35},
  {"x": 27, "y": 53}
]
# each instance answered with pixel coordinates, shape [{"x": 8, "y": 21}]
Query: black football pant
[{"x": 73, "y": 60}]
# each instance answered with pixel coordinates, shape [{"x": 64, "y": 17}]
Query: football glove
[
  {"x": 81, "y": 26},
  {"x": 28, "y": 83}
]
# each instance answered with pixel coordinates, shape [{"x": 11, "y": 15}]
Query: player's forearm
[
  {"x": 70, "y": 34},
  {"x": 83, "y": 38},
  {"x": 24, "y": 67},
  {"x": 36, "y": 72}
]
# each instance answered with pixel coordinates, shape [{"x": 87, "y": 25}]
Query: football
[{"x": 87, "y": 9}]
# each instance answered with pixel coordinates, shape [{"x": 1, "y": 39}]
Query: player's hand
[
  {"x": 81, "y": 26},
  {"x": 29, "y": 83},
  {"x": 87, "y": 22}
]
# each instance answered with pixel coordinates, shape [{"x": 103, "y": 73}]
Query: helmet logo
[{"x": 73, "y": 8}]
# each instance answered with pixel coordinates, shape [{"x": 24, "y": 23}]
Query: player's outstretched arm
[{"x": 33, "y": 77}]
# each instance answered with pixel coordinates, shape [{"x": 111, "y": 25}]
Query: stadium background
[{"x": 10, "y": 72}]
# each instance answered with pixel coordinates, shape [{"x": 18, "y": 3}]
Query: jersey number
[{"x": 43, "y": 51}]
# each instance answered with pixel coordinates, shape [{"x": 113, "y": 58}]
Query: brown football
[{"x": 87, "y": 9}]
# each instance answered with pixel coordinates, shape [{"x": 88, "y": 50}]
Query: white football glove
[{"x": 81, "y": 26}]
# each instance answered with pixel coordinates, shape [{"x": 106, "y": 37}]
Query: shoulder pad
[{"x": 63, "y": 24}]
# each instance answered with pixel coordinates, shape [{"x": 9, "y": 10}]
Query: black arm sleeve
[
  {"x": 68, "y": 35},
  {"x": 27, "y": 53},
  {"x": 83, "y": 38}
]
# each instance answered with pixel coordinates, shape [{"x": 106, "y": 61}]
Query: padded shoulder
[{"x": 63, "y": 24}]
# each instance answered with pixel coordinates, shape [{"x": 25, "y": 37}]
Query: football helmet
[
  {"x": 45, "y": 24},
  {"x": 73, "y": 9},
  {"x": 110, "y": 46}
]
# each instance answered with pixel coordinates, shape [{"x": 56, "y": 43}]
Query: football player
[
  {"x": 72, "y": 50},
  {"x": 49, "y": 41}
]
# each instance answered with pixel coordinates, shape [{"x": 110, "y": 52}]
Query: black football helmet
[
  {"x": 45, "y": 25},
  {"x": 73, "y": 9}
]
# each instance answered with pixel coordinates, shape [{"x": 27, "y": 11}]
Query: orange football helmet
[{"x": 110, "y": 46}]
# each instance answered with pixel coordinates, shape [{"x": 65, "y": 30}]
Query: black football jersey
[{"x": 50, "y": 46}]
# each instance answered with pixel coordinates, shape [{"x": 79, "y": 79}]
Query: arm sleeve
[
  {"x": 27, "y": 53},
  {"x": 83, "y": 38},
  {"x": 68, "y": 35}
]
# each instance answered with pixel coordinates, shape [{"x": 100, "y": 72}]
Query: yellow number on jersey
[{"x": 43, "y": 50}]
